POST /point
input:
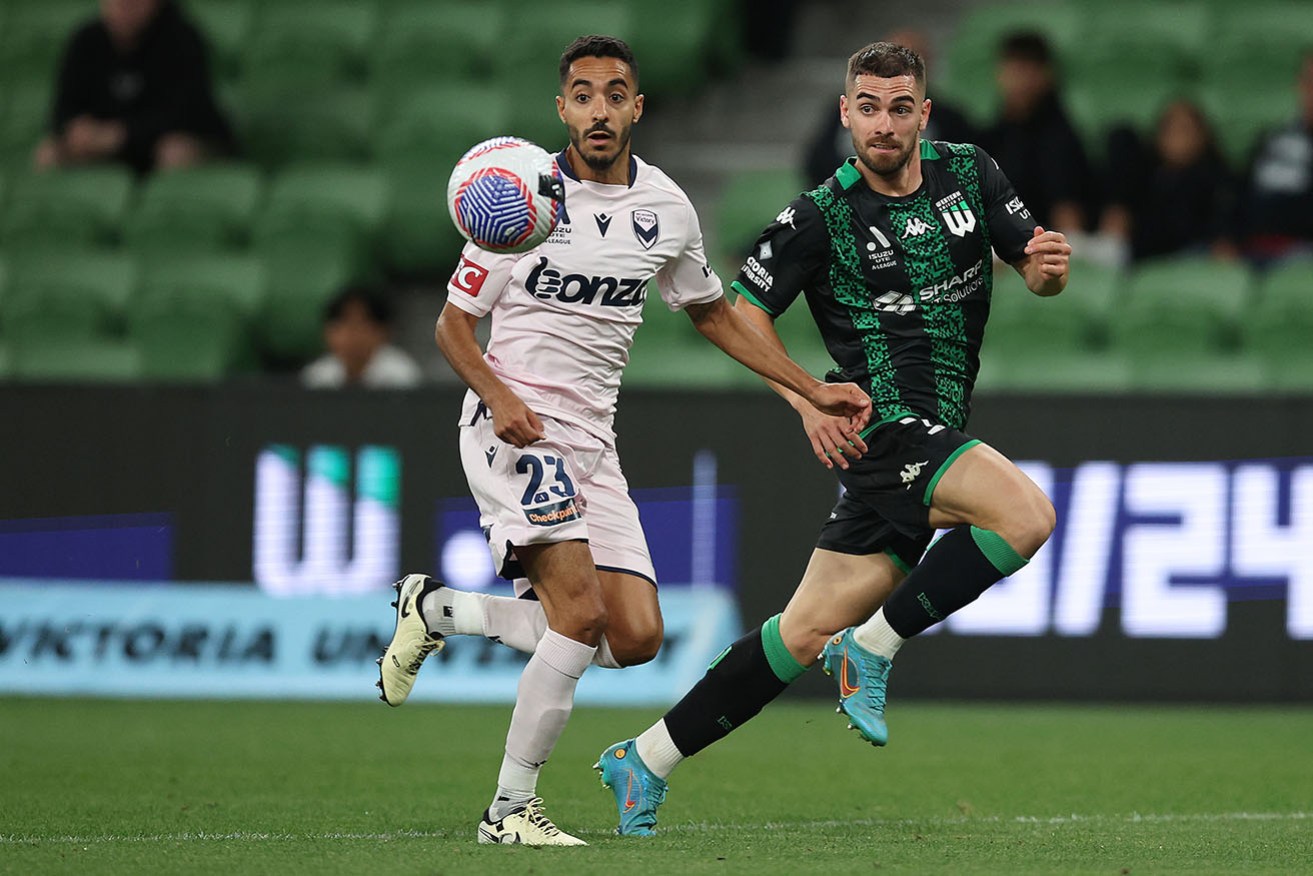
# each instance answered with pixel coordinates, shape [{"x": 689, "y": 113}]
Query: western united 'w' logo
[
  {"x": 312, "y": 535},
  {"x": 959, "y": 219}
]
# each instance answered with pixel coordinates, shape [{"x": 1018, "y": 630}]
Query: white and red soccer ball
[{"x": 506, "y": 195}]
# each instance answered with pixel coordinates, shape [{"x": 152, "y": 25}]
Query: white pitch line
[{"x": 686, "y": 827}]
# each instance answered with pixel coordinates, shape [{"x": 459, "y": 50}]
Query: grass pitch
[{"x": 237, "y": 788}]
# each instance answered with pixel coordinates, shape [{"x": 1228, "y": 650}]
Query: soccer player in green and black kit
[{"x": 894, "y": 254}]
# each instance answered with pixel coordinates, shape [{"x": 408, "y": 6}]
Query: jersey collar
[
  {"x": 564, "y": 164},
  {"x": 848, "y": 174}
]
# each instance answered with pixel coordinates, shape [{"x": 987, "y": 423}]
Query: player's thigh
[
  {"x": 984, "y": 488},
  {"x": 634, "y": 628},
  {"x": 566, "y": 583},
  {"x": 526, "y": 495},
  {"x": 837, "y": 591}
]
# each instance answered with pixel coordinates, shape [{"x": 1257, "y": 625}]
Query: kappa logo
[
  {"x": 786, "y": 218},
  {"x": 912, "y": 471},
  {"x": 646, "y": 227},
  {"x": 916, "y": 226},
  {"x": 469, "y": 277},
  {"x": 603, "y": 222},
  {"x": 959, "y": 219}
]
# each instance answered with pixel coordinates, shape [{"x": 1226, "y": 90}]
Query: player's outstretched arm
[
  {"x": 1047, "y": 262},
  {"x": 512, "y": 421},
  {"x": 833, "y": 413}
]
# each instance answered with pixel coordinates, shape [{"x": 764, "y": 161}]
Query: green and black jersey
[{"x": 899, "y": 287}]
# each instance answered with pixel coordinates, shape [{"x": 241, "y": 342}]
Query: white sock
[
  {"x": 656, "y": 749},
  {"x": 542, "y": 706},
  {"x": 878, "y": 637},
  {"x": 516, "y": 623}
]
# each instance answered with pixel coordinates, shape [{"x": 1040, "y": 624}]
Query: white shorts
[{"x": 566, "y": 487}]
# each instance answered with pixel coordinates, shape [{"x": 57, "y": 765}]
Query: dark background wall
[{"x": 190, "y": 453}]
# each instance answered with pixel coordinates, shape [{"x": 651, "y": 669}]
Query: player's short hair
[
  {"x": 376, "y": 304},
  {"x": 1028, "y": 46},
  {"x": 885, "y": 60},
  {"x": 598, "y": 46}
]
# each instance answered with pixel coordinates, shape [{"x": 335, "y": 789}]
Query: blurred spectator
[
  {"x": 134, "y": 86},
  {"x": 832, "y": 143},
  {"x": 1171, "y": 194},
  {"x": 357, "y": 330},
  {"x": 1274, "y": 218},
  {"x": 1032, "y": 140}
]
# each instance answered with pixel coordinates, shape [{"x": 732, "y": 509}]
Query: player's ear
[
  {"x": 638, "y": 107},
  {"x": 843, "y": 110},
  {"x": 925, "y": 113},
  {"x": 560, "y": 108}
]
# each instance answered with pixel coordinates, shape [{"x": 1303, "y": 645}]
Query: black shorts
[{"x": 886, "y": 504}]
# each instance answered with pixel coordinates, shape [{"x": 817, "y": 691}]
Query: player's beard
[
  {"x": 882, "y": 164},
  {"x": 595, "y": 161}
]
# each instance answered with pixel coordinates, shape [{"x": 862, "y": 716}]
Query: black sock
[
  {"x": 954, "y": 572},
  {"x": 738, "y": 684}
]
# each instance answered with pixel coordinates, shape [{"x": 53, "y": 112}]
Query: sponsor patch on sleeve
[{"x": 469, "y": 277}]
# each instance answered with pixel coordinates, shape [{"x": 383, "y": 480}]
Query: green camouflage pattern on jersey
[{"x": 851, "y": 291}]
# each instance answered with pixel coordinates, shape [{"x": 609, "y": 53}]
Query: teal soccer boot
[
  {"x": 863, "y": 678},
  {"x": 638, "y": 791}
]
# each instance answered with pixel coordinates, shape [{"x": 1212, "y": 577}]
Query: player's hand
[
  {"x": 834, "y": 440},
  {"x": 514, "y": 423},
  {"x": 1052, "y": 252},
  {"x": 842, "y": 400}
]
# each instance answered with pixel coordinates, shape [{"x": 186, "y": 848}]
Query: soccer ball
[{"x": 506, "y": 195}]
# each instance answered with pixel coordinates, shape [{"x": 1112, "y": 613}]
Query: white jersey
[{"x": 564, "y": 314}]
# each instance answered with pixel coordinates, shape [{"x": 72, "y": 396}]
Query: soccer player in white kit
[{"x": 536, "y": 428}]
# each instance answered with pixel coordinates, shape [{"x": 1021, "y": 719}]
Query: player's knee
[
  {"x": 1035, "y": 525},
  {"x": 637, "y": 648}
]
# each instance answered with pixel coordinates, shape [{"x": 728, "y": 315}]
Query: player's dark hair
[
  {"x": 1028, "y": 46},
  {"x": 376, "y": 304},
  {"x": 598, "y": 46},
  {"x": 886, "y": 60}
]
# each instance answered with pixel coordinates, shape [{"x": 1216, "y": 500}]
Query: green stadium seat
[
  {"x": 24, "y": 120},
  {"x": 300, "y": 283},
  {"x": 535, "y": 36},
  {"x": 280, "y": 123},
  {"x": 1259, "y": 40},
  {"x": 310, "y": 42},
  {"x": 6, "y": 363},
  {"x": 1278, "y": 329},
  {"x": 1198, "y": 373},
  {"x": 202, "y": 209},
  {"x": 967, "y": 75},
  {"x": 1164, "y": 40},
  {"x": 418, "y": 236},
  {"x": 1023, "y": 324},
  {"x": 1097, "y": 104},
  {"x": 673, "y": 42},
  {"x": 325, "y": 207},
  {"x": 669, "y": 351},
  {"x": 1180, "y": 308},
  {"x": 1057, "y": 371},
  {"x": 66, "y": 295},
  {"x": 1246, "y": 107},
  {"x": 751, "y": 200},
  {"x": 238, "y": 282},
  {"x": 97, "y": 360},
  {"x": 35, "y": 34},
  {"x": 192, "y": 318},
  {"x": 797, "y": 329},
  {"x": 438, "y": 124},
  {"x": 438, "y": 43},
  {"x": 79, "y": 208},
  {"x": 226, "y": 25}
]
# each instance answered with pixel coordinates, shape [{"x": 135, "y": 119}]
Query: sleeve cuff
[{"x": 743, "y": 290}]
